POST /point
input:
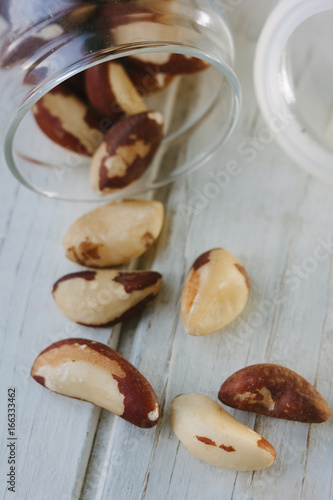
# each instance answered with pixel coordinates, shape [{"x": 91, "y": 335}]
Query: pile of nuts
[
  {"x": 215, "y": 291},
  {"x": 101, "y": 113}
]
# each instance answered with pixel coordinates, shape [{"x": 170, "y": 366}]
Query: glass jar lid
[{"x": 293, "y": 77}]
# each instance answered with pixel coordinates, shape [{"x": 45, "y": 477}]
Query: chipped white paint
[{"x": 271, "y": 216}]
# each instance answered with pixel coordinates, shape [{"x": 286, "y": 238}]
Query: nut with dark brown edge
[
  {"x": 146, "y": 80},
  {"x": 275, "y": 391},
  {"x": 105, "y": 297},
  {"x": 171, "y": 64},
  {"x": 215, "y": 292},
  {"x": 26, "y": 46},
  {"x": 68, "y": 121},
  {"x": 111, "y": 91},
  {"x": 212, "y": 435},
  {"x": 126, "y": 152},
  {"x": 115, "y": 233},
  {"x": 94, "y": 372},
  {"x": 121, "y": 22},
  {"x": 33, "y": 44}
]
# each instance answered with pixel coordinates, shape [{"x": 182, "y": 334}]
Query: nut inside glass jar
[{"x": 200, "y": 108}]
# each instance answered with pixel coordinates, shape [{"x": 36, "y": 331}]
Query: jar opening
[
  {"x": 193, "y": 103},
  {"x": 293, "y": 81},
  {"x": 308, "y": 83}
]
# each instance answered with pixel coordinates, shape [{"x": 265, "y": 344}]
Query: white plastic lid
[{"x": 275, "y": 88}]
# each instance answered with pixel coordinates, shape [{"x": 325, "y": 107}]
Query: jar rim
[
  {"x": 114, "y": 54},
  {"x": 271, "y": 76}
]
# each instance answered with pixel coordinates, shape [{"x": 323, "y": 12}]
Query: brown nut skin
[
  {"x": 275, "y": 391},
  {"x": 126, "y": 152},
  {"x": 111, "y": 91},
  {"x": 77, "y": 84},
  {"x": 68, "y": 121},
  {"x": 11, "y": 54},
  {"x": 19, "y": 46},
  {"x": 123, "y": 21},
  {"x": 114, "y": 234},
  {"x": 22, "y": 45},
  {"x": 105, "y": 297},
  {"x": 146, "y": 81},
  {"x": 126, "y": 14},
  {"x": 171, "y": 64},
  {"x": 92, "y": 371}
]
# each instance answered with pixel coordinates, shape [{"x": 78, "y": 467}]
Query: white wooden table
[{"x": 273, "y": 217}]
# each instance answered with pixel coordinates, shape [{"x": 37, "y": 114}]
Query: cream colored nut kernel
[
  {"x": 114, "y": 233},
  {"x": 212, "y": 435},
  {"x": 132, "y": 21},
  {"x": 215, "y": 292},
  {"x": 275, "y": 391},
  {"x": 105, "y": 297},
  {"x": 111, "y": 91},
  {"x": 68, "y": 121},
  {"x": 94, "y": 372},
  {"x": 126, "y": 152}
]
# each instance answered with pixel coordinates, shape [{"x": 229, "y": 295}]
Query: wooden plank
[
  {"x": 31, "y": 261},
  {"x": 49, "y": 426},
  {"x": 250, "y": 218}
]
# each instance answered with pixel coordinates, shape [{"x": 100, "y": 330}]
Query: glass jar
[
  {"x": 45, "y": 42},
  {"x": 293, "y": 77}
]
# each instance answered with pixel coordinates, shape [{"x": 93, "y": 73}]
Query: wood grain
[{"x": 272, "y": 216}]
